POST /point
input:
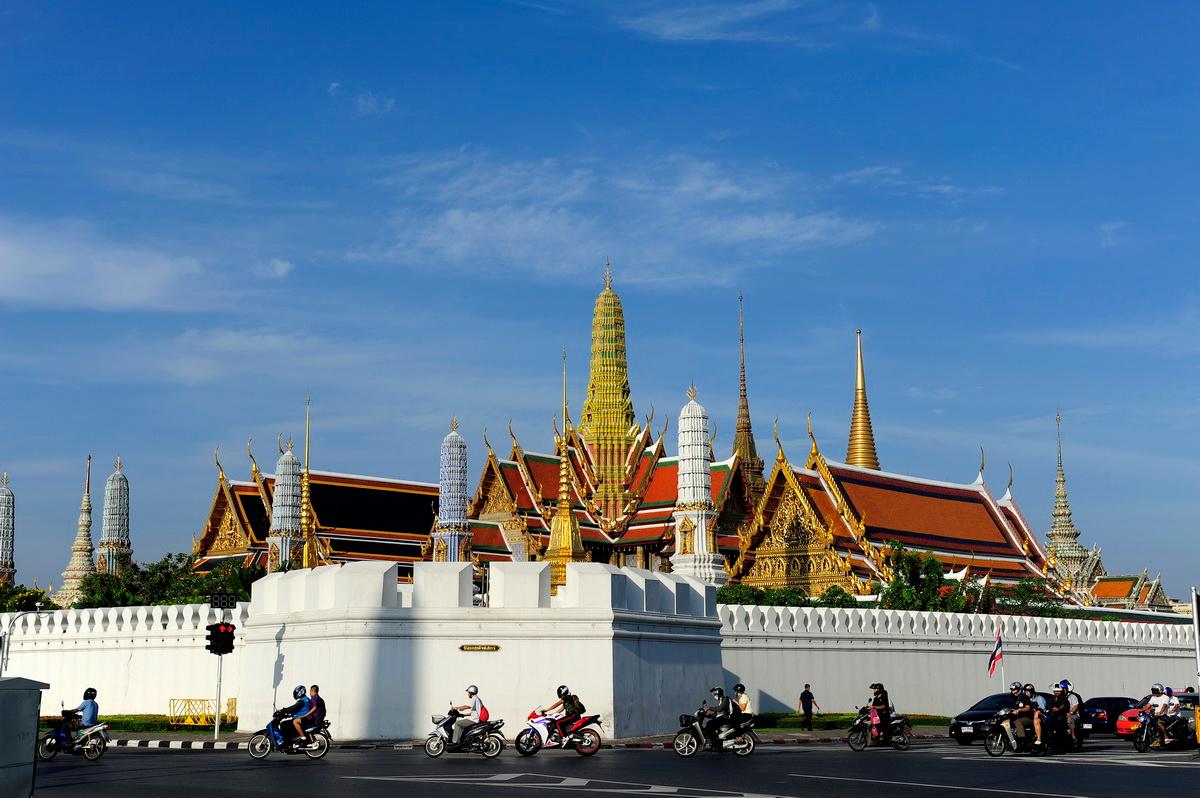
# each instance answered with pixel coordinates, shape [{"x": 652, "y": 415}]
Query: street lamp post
[{"x": 7, "y": 642}]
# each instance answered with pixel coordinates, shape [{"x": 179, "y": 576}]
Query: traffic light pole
[{"x": 217, "y": 714}]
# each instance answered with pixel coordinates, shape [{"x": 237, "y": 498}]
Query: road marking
[
  {"x": 1008, "y": 791},
  {"x": 569, "y": 783}
]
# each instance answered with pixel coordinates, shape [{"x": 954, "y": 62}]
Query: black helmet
[
  {"x": 563, "y": 691},
  {"x": 876, "y": 685},
  {"x": 718, "y": 692},
  {"x": 1015, "y": 686},
  {"x": 739, "y": 688},
  {"x": 299, "y": 692},
  {"x": 1030, "y": 688},
  {"x": 89, "y": 694}
]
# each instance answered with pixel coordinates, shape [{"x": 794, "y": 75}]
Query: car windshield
[{"x": 994, "y": 702}]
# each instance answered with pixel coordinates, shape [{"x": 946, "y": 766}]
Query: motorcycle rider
[
  {"x": 1024, "y": 712},
  {"x": 315, "y": 713},
  {"x": 473, "y": 710},
  {"x": 717, "y": 716},
  {"x": 89, "y": 713},
  {"x": 882, "y": 708},
  {"x": 1171, "y": 715},
  {"x": 572, "y": 709},
  {"x": 1157, "y": 705},
  {"x": 297, "y": 709},
  {"x": 1060, "y": 710},
  {"x": 1074, "y": 717},
  {"x": 742, "y": 699}
]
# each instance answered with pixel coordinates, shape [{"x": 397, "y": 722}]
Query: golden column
[
  {"x": 861, "y": 449},
  {"x": 310, "y": 556},
  {"x": 607, "y": 423},
  {"x": 565, "y": 543}
]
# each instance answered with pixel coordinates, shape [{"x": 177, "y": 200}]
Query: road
[{"x": 930, "y": 767}]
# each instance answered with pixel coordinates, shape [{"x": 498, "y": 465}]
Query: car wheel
[{"x": 964, "y": 740}]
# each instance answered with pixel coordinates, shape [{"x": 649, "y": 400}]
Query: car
[
  {"x": 1127, "y": 722},
  {"x": 1102, "y": 712},
  {"x": 973, "y": 724}
]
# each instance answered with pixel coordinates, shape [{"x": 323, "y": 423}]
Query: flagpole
[{"x": 1000, "y": 635}]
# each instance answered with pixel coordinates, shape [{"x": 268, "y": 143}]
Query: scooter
[
  {"x": 1149, "y": 736},
  {"x": 736, "y": 735},
  {"x": 91, "y": 742},
  {"x": 270, "y": 738},
  {"x": 542, "y": 733},
  {"x": 1002, "y": 737},
  {"x": 482, "y": 738},
  {"x": 866, "y": 729}
]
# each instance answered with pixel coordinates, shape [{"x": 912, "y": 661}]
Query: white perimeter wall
[
  {"x": 936, "y": 663},
  {"x": 137, "y": 658}
]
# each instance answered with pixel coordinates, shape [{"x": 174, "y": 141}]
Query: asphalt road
[{"x": 933, "y": 767}]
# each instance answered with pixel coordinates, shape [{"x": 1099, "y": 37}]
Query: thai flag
[{"x": 997, "y": 655}]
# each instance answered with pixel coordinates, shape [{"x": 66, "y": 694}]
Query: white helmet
[
  {"x": 472, "y": 689},
  {"x": 1156, "y": 688}
]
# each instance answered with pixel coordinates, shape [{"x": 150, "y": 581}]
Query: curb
[{"x": 186, "y": 745}]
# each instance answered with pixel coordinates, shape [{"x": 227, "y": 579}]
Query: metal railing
[{"x": 199, "y": 712}]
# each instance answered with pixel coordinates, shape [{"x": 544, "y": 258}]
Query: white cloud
[
  {"x": 368, "y": 103},
  {"x": 1165, "y": 336},
  {"x": 334, "y": 88},
  {"x": 800, "y": 23},
  {"x": 276, "y": 268},
  {"x": 937, "y": 394},
  {"x": 896, "y": 181},
  {"x": 1110, "y": 234},
  {"x": 67, "y": 264}
]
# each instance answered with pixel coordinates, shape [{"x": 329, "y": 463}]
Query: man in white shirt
[
  {"x": 472, "y": 711},
  {"x": 1157, "y": 706},
  {"x": 1171, "y": 715}
]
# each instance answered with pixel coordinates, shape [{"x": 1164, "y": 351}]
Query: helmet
[
  {"x": 563, "y": 691},
  {"x": 1156, "y": 688},
  {"x": 1056, "y": 687},
  {"x": 739, "y": 688},
  {"x": 1015, "y": 686},
  {"x": 299, "y": 692},
  {"x": 718, "y": 692},
  {"x": 1169, "y": 691},
  {"x": 1066, "y": 684},
  {"x": 472, "y": 689},
  {"x": 1030, "y": 687},
  {"x": 89, "y": 694},
  {"x": 876, "y": 685}
]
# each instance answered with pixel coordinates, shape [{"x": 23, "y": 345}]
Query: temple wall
[
  {"x": 137, "y": 658},
  {"x": 936, "y": 663}
]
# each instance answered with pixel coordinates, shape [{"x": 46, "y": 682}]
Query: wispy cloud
[
  {"x": 1172, "y": 336},
  {"x": 800, "y": 23},
  {"x": 275, "y": 268},
  {"x": 368, "y": 103},
  {"x": 895, "y": 180},
  {"x": 936, "y": 394},
  {"x": 1110, "y": 234},
  {"x": 679, "y": 214}
]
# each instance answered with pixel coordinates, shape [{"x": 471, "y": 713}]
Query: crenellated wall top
[
  {"x": 751, "y": 620},
  {"x": 173, "y": 618}
]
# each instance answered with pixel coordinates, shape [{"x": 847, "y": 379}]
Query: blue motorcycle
[
  {"x": 270, "y": 738},
  {"x": 91, "y": 742}
]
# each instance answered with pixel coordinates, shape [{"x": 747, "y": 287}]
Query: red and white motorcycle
[{"x": 543, "y": 733}]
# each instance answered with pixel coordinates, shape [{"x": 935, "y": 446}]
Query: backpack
[{"x": 483, "y": 713}]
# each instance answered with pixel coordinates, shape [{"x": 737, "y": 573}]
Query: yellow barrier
[{"x": 198, "y": 712}]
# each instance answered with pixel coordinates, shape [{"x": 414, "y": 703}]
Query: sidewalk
[{"x": 239, "y": 740}]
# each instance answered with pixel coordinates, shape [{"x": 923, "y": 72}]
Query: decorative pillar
[
  {"x": 114, "y": 535},
  {"x": 8, "y": 571},
  {"x": 284, "y": 537},
  {"x": 695, "y": 548},
  {"x": 452, "y": 538}
]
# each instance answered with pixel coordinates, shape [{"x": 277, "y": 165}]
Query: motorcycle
[
  {"x": 1002, "y": 736},
  {"x": 736, "y": 734},
  {"x": 1148, "y": 735},
  {"x": 91, "y": 742},
  {"x": 865, "y": 730},
  {"x": 482, "y": 738},
  {"x": 542, "y": 733},
  {"x": 270, "y": 738}
]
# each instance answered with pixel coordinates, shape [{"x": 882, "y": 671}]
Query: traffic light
[{"x": 220, "y": 638}]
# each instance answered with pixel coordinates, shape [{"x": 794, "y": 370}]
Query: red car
[{"x": 1127, "y": 723}]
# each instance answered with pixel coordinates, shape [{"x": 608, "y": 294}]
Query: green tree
[
  {"x": 739, "y": 594},
  {"x": 783, "y": 597},
  {"x": 170, "y": 580},
  {"x": 835, "y": 596},
  {"x": 917, "y": 581},
  {"x": 1030, "y": 597},
  {"x": 19, "y": 598}
]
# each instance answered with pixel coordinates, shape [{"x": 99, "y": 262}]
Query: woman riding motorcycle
[{"x": 572, "y": 709}]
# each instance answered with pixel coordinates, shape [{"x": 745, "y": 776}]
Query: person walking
[{"x": 807, "y": 702}]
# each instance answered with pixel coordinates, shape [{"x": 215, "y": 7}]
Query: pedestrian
[{"x": 807, "y": 702}]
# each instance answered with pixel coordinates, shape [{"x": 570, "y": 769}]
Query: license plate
[{"x": 1087, "y": 725}]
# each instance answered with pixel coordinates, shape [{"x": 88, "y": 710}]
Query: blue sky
[{"x": 206, "y": 212}]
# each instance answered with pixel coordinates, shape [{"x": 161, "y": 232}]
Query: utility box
[{"x": 22, "y": 702}]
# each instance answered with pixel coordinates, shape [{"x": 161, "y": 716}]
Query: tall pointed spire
[
  {"x": 1064, "y": 546},
  {"x": 8, "y": 571},
  {"x": 749, "y": 462},
  {"x": 695, "y": 552},
  {"x": 114, "y": 535},
  {"x": 80, "y": 564},
  {"x": 284, "y": 536},
  {"x": 309, "y": 555},
  {"x": 565, "y": 543},
  {"x": 607, "y": 421},
  {"x": 860, "y": 450},
  {"x": 452, "y": 537}
]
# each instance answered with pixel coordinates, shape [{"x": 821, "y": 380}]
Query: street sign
[{"x": 223, "y": 601}]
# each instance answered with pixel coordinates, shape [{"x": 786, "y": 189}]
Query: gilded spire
[
  {"x": 81, "y": 563},
  {"x": 749, "y": 462},
  {"x": 1063, "y": 535},
  {"x": 309, "y": 555},
  {"x": 607, "y": 422},
  {"x": 565, "y": 543},
  {"x": 861, "y": 448}
]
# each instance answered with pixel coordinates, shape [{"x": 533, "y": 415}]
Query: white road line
[
  {"x": 568, "y": 783},
  {"x": 1008, "y": 791}
]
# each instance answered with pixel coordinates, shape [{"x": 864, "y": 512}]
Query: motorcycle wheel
[
  {"x": 744, "y": 745},
  {"x": 995, "y": 743},
  {"x": 322, "y": 747},
  {"x": 903, "y": 739},
  {"x": 1141, "y": 743},
  {"x": 94, "y": 749},
  {"x": 590, "y": 743},
  {"x": 686, "y": 744},
  {"x": 1038, "y": 750},
  {"x": 259, "y": 747},
  {"x": 47, "y": 749},
  {"x": 857, "y": 739},
  {"x": 492, "y": 746},
  {"x": 435, "y": 746},
  {"x": 528, "y": 742}
]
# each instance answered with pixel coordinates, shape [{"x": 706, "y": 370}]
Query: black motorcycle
[
  {"x": 482, "y": 738},
  {"x": 1002, "y": 736},
  {"x": 898, "y": 732},
  {"x": 270, "y": 738},
  {"x": 1149, "y": 735},
  {"x": 735, "y": 734}
]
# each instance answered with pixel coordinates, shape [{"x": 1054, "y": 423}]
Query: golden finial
[
  {"x": 860, "y": 451},
  {"x": 1010, "y": 477},
  {"x": 691, "y": 392},
  {"x": 279, "y": 443},
  {"x": 87, "y": 476},
  {"x": 775, "y": 432},
  {"x": 291, "y": 444},
  {"x": 982, "y": 461},
  {"x": 4, "y": 479},
  {"x": 511, "y": 434},
  {"x": 486, "y": 442},
  {"x": 607, "y": 274},
  {"x": 564, "y": 389},
  {"x": 453, "y": 424},
  {"x": 216, "y": 461},
  {"x": 666, "y": 425},
  {"x": 117, "y": 464},
  {"x": 307, "y": 428},
  {"x": 650, "y": 416}
]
